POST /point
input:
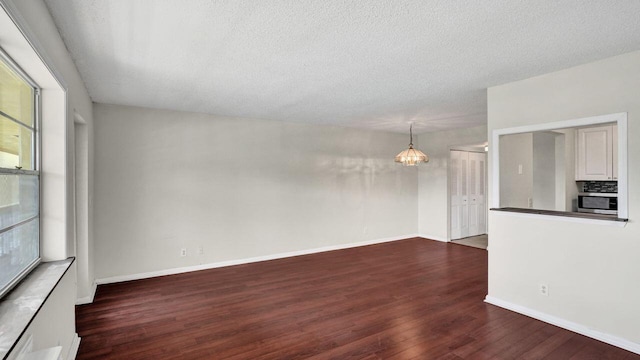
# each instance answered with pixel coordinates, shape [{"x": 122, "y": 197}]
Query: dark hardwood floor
[{"x": 410, "y": 299}]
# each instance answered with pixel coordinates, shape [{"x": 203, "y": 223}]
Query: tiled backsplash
[{"x": 599, "y": 186}]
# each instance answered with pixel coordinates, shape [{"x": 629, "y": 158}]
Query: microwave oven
[{"x": 598, "y": 203}]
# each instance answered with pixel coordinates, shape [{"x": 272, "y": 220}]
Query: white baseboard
[
  {"x": 430, "y": 237},
  {"x": 88, "y": 299},
  {"x": 75, "y": 345},
  {"x": 566, "y": 324},
  {"x": 145, "y": 275}
]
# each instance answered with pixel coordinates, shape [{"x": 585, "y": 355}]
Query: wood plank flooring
[{"x": 410, "y": 299}]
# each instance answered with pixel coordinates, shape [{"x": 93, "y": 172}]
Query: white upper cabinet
[{"x": 597, "y": 155}]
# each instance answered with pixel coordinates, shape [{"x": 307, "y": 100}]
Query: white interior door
[
  {"x": 477, "y": 202},
  {"x": 472, "y": 181},
  {"x": 464, "y": 193},
  {"x": 481, "y": 197},
  {"x": 456, "y": 198},
  {"x": 468, "y": 194}
]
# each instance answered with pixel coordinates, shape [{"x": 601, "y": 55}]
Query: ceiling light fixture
[{"x": 411, "y": 156}]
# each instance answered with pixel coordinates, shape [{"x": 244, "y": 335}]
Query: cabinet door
[{"x": 595, "y": 156}]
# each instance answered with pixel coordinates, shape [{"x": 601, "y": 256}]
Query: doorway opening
[
  {"x": 468, "y": 195},
  {"x": 82, "y": 247}
]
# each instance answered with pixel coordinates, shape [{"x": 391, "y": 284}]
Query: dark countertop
[{"x": 561, "y": 213}]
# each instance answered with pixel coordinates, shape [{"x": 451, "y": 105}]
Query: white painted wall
[
  {"x": 516, "y": 170},
  {"x": 592, "y": 270},
  {"x": 239, "y": 188},
  {"x": 433, "y": 214},
  {"x": 547, "y": 174},
  {"x": 570, "y": 187},
  {"x": 544, "y": 170},
  {"x": 565, "y": 152},
  {"x": 560, "y": 171}
]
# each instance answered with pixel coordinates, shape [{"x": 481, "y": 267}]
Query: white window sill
[{"x": 20, "y": 306}]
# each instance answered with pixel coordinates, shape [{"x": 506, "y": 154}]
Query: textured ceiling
[{"x": 372, "y": 64}]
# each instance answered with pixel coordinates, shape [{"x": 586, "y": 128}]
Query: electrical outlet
[
  {"x": 200, "y": 250},
  {"x": 183, "y": 252},
  {"x": 530, "y": 202},
  {"x": 544, "y": 289},
  {"x": 519, "y": 169}
]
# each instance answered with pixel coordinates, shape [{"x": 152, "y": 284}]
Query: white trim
[
  {"x": 73, "y": 349},
  {"x": 145, "y": 275},
  {"x": 623, "y": 189},
  {"x": 561, "y": 218},
  {"x": 431, "y": 237},
  {"x": 449, "y": 179},
  {"x": 27, "y": 347},
  {"x": 32, "y": 39},
  {"x": 566, "y": 324},
  {"x": 52, "y": 110},
  {"x": 563, "y": 124},
  {"x": 619, "y": 118},
  {"x": 78, "y": 119},
  {"x": 88, "y": 299}
]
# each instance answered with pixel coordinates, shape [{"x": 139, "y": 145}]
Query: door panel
[
  {"x": 468, "y": 194},
  {"x": 473, "y": 191},
  {"x": 481, "y": 197},
  {"x": 456, "y": 200},
  {"x": 464, "y": 193}
]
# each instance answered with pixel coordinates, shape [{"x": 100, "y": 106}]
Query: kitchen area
[
  {"x": 567, "y": 172},
  {"x": 597, "y": 170}
]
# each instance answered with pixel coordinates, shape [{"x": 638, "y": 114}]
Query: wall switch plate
[
  {"x": 544, "y": 289},
  {"x": 520, "y": 169},
  {"x": 183, "y": 252}
]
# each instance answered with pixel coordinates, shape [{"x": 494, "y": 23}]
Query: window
[{"x": 19, "y": 176}]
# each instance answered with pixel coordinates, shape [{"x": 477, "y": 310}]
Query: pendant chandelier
[{"x": 411, "y": 156}]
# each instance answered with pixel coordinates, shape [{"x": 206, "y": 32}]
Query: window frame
[{"x": 35, "y": 164}]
